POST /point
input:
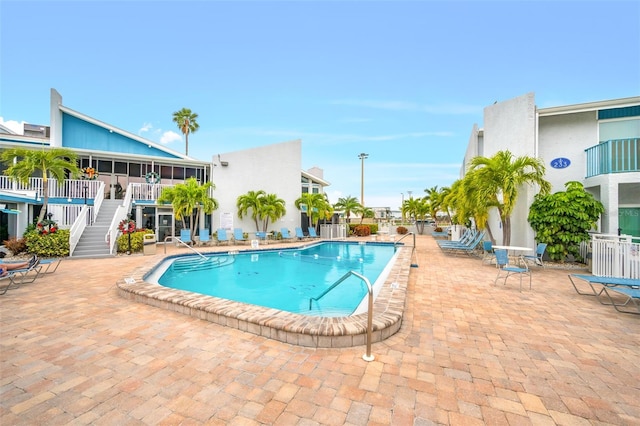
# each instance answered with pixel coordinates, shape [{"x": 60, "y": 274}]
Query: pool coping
[{"x": 296, "y": 329}]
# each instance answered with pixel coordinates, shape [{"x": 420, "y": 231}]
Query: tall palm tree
[
  {"x": 186, "y": 121},
  {"x": 50, "y": 163},
  {"x": 348, "y": 205},
  {"x": 188, "y": 200},
  {"x": 315, "y": 205},
  {"x": 271, "y": 208},
  {"x": 251, "y": 201},
  {"x": 499, "y": 179},
  {"x": 417, "y": 208}
]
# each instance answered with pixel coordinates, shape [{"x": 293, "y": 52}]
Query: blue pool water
[{"x": 283, "y": 279}]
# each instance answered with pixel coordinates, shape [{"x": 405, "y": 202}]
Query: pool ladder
[
  {"x": 367, "y": 356},
  {"x": 414, "y": 254}
]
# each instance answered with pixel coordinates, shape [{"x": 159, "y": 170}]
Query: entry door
[
  {"x": 629, "y": 221},
  {"x": 164, "y": 221}
]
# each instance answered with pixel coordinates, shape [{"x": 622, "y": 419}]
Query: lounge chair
[
  {"x": 185, "y": 236},
  {"x": 262, "y": 236},
  {"x": 285, "y": 234},
  {"x": 50, "y": 265},
  {"x": 629, "y": 287},
  {"x": 299, "y": 234},
  {"x": 205, "y": 238},
  {"x": 465, "y": 239},
  {"x": 460, "y": 248},
  {"x": 17, "y": 277},
  {"x": 502, "y": 262},
  {"x": 312, "y": 233},
  {"x": 222, "y": 237},
  {"x": 537, "y": 258},
  {"x": 238, "y": 236}
]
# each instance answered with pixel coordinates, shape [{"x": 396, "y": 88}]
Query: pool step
[{"x": 199, "y": 263}]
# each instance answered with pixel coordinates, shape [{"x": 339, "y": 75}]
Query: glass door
[{"x": 164, "y": 224}]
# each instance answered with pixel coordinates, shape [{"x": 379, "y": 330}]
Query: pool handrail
[
  {"x": 413, "y": 252},
  {"x": 367, "y": 356},
  {"x": 172, "y": 238}
]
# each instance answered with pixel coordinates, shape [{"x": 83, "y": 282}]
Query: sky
[{"x": 402, "y": 81}]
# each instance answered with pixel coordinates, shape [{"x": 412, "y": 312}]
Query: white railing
[
  {"x": 78, "y": 228},
  {"x": 147, "y": 191},
  {"x": 70, "y": 188},
  {"x": 333, "y": 232},
  {"x": 111, "y": 237},
  {"x": 616, "y": 256}
]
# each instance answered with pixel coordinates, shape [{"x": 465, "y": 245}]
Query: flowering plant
[
  {"x": 47, "y": 226},
  {"x": 127, "y": 226},
  {"x": 90, "y": 173}
]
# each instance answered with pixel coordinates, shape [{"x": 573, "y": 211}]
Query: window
[
  {"x": 166, "y": 172},
  {"x": 105, "y": 166},
  {"x": 135, "y": 169},
  {"x": 120, "y": 167}
]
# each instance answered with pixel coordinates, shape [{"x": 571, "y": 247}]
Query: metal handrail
[
  {"x": 367, "y": 356},
  {"x": 172, "y": 238},
  {"x": 413, "y": 251}
]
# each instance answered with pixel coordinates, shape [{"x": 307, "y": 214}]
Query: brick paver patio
[{"x": 468, "y": 352}]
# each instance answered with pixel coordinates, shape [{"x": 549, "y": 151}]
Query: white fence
[
  {"x": 333, "y": 232},
  {"x": 616, "y": 256}
]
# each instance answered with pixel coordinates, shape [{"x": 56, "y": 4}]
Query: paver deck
[{"x": 468, "y": 352}]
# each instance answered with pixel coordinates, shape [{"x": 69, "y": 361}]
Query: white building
[{"x": 596, "y": 143}]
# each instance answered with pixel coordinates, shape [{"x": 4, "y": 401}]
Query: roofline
[
  {"x": 315, "y": 178},
  {"x": 589, "y": 106},
  {"x": 122, "y": 132}
]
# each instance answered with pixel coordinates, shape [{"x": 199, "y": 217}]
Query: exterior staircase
[{"x": 92, "y": 243}]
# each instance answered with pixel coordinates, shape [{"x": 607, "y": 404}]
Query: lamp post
[{"x": 362, "y": 157}]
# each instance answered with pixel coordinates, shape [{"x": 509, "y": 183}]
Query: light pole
[
  {"x": 362, "y": 157},
  {"x": 402, "y": 207}
]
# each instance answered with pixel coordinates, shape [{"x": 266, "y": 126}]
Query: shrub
[
  {"x": 438, "y": 229},
  {"x": 16, "y": 245},
  {"x": 362, "y": 231},
  {"x": 54, "y": 244},
  {"x": 137, "y": 241},
  {"x": 401, "y": 230}
]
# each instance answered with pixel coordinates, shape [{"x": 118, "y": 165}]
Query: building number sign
[{"x": 560, "y": 163}]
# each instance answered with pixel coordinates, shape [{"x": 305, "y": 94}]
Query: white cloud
[
  {"x": 15, "y": 126},
  {"x": 169, "y": 137},
  {"x": 145, "y": 128}
]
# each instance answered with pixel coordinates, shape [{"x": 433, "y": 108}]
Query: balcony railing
[{"x": 613, "y": 156}]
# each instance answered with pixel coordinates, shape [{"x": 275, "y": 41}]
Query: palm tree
[
  {"x": 271, "y": 208},
  {"x": 186, "y": 121},
  {"x": 435, "y": 197},
  {"x": 417, "y": 208},
  {"x": 315, "y": 205},
  {"x": 251, "y": 201},
  {"x": 50, "y": 163},
  {"x": 499, "y": 179},
  {"x": 188, "y": 200},
  {"x": 348, "y": 205}
]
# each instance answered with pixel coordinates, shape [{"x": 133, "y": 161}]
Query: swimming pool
[
  {"x": 295, "y": 280},
  {"x": 293, "y": 328}
]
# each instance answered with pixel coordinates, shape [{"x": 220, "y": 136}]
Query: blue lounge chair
[
  {"x": 312, "y": 233},
  {"x": 537, "y": 258},
  {"x": 468, "y": 248},
  {"x": 299, "y": 234},
  {"x": 185, "y": 236},
  {"x": 50, "y": 265},
  {"x": 628, "y": 287},
  {"x": 17, "y": 277},
  {"x": 262, "y": 236},
  {"x": 205, "y": 238},
  {"x": 221, "y": 236},
  {"x": 285, "y": 234},
  {"x": 238, "y": 236},
  {"x": 502, "y": 262},
  {"x": 465, "y": 239}
]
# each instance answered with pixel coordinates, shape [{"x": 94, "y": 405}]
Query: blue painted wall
[{"x": 78, "y": 133}]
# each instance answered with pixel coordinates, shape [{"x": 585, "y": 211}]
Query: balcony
[{"x": 613, "y": 156}]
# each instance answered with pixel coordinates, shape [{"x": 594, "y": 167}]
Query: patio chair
[
  {"x": 537, "y": 258},
  {"x": 465, "y": 239},
  {"x": 468, "y": 248},
  {"x": 50, "y": 265},
  {"x": 262, "y": 236},
  {"x": 238, "y": 236},
  {"x": 312, "y": 233},
  {"x": 505, "y": 270},
  {"x": 487, "y": 249},
  {"x": 222, "y": 237},
  {"x": 185, "y": 236},
  {"x": 632, "y": 297},
  {"x": 629, "y": 287},
  {"x": 17, "y": 277},
  {"x": 299, "y": 234},
  {"x": 205, "y": 238},
  {"x": 285, "y": 234}
]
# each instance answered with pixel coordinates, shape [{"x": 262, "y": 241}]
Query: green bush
[
  {"x": 372, "y": 229},
  {"x": 137, "y": 241},
  {"x": 54, "y": 244}
]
